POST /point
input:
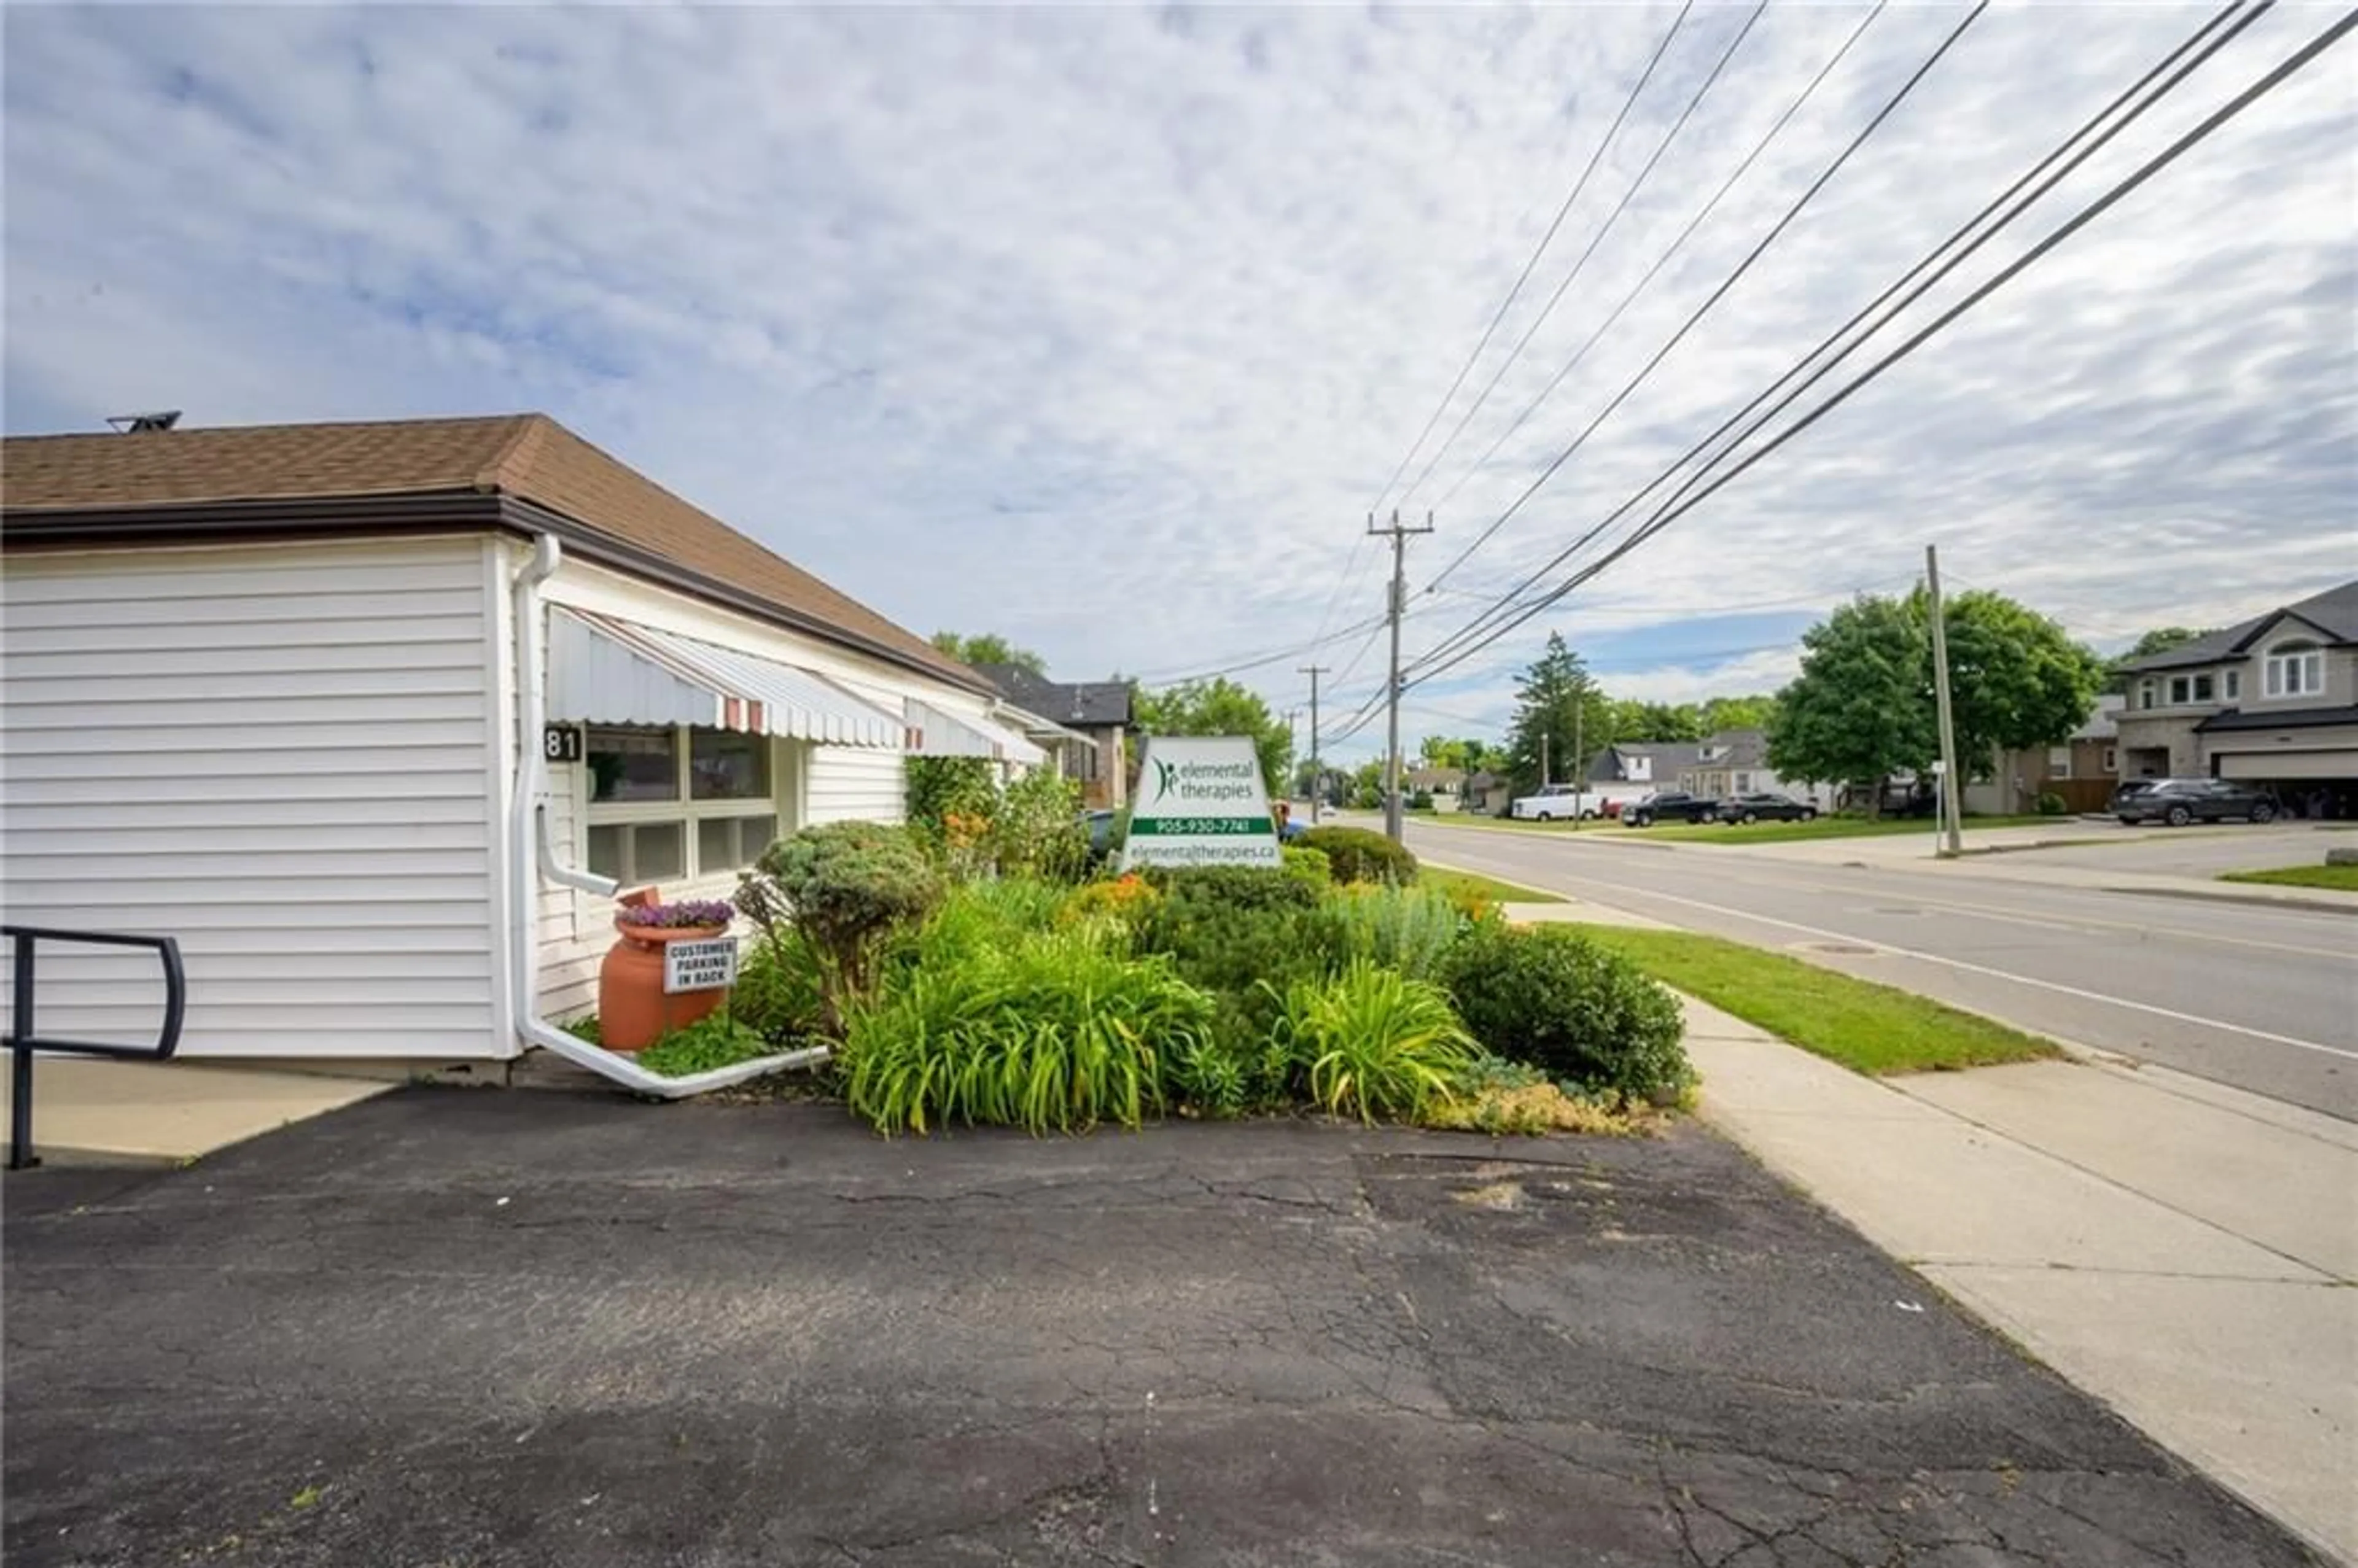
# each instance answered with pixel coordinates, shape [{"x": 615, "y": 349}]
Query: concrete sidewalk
[
  {"x": 2184, "y": 1250},
  {"x": 88, "y": 1110},
  {"x": 2180, "y": 1249}
]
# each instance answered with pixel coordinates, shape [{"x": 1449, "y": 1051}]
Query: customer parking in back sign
[
  {"x": 1200, "y": 802},
  {"x": 700, "y": 965}
]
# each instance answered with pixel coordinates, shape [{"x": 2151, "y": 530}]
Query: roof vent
[{"x": 134, "y": 424}]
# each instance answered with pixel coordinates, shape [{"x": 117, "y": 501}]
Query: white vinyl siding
[
  {"x": 278, "y": 754},
  {"x": 852, "y": 785}
]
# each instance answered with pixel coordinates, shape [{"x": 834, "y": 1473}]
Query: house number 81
[{"x": 561, "y": 743}]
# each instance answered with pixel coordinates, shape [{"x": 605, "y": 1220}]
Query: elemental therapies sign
[{"x": 1200, "y": 803}]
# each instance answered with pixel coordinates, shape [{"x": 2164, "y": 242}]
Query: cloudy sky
[{"x": 1105, "y": 328}]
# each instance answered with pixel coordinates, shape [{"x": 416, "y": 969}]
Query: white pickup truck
[{"x": 1570, "y": 803}]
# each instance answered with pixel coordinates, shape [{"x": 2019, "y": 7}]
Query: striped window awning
[
  {"x": 604, "y": 669},
  {"x": 935, "y": 733}
]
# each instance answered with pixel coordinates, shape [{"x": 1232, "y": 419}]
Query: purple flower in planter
[{"x": 670, "y": 916}]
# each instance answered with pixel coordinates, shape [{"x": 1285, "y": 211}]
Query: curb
[{"x": 2256, "y": 901}]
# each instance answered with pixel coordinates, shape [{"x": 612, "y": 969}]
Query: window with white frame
[
  {"x": 2059, "y": 761},
  {"x": 2112, "y": 760},
  {"x": 2145, "y": 694},
  {"x": 2184, "y": 689},
  {"x": 2234, "y": 684},
  {"x": 2294, "y": 669},
  {"x": 677, "y": 803}
]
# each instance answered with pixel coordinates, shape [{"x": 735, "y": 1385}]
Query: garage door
[{"x": 2288, "y": 765}]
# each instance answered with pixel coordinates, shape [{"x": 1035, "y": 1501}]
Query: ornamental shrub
[
  {"x": 2051, "y": 805},
  {"x": 943, "y": 787},
  {"x": 778, "y": 994},
  {"x": 1405, "y": 929},
  {"x": 1056, "y": 1032},
  {"x": 846, "y": 887},
  {"x": 1371, "y": 1042},
  {"x": 1243, "y": 934},
  {"x": 1308, "y": 865},
  {"x": 1360, "y": 855},
  {"x": 1036, "y": 829},
  {"x": 1128, "y": 898},
  {"x": 1577, "y": 1011}
]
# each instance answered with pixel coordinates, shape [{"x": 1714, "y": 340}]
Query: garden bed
[{"x": 958, "y": 989}]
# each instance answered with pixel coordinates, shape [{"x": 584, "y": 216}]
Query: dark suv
[
  {"x": 2180, "y": 801},
  {"x": 1671, "y": 805}
]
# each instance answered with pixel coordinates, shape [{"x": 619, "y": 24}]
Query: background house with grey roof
[
  {"x": 2273, "y": 701},
  {"x": 1098, "y": 712},
  {"x": 1733, "y": 762}
]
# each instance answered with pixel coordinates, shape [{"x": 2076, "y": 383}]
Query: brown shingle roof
[{"x": 527, "y": 456}]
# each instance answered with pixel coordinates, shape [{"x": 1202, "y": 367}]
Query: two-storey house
[{"x": 2271, "y": 701}]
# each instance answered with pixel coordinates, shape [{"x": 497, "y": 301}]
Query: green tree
[
  {"x": 2160, "y": 640},
  {"x": 1440, "y": 751},
  {"x": 1368, "y": 787},
  {"x": 1219, "y": 706},
  {"x": 1562, "y": 719},
  {"x": 2016, "y": 680},
  {"x": 1863, "y": 709},
  {"x": 1737, "y": 713},
  {"x": 990, "y": 648},
  {"x": 1660, "y": 722}
]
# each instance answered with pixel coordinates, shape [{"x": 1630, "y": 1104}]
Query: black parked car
[
  {"x": 2180, "y": 801},
  {"x": 1671, "y": 805},
  {"x": 1765, "y": 807}
]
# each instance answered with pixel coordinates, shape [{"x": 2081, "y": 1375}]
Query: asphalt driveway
[{"x": 454, "y": 1327}]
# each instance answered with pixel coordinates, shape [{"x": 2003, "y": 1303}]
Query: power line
[
  {"x": 1256, "y": 661},
  {"x": 1660, "y": 262},
  {"x": 2046, "y": 168},
  {"x": 1561, "y": 213},
  {"x": 1882, "y": 114},
  {"x": 2088, "y": 214},
  {"x": 1612, "y": 218}
]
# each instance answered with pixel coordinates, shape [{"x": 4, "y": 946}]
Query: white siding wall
[
  {"x": 847, "y": 786},
  {"x": 278, "y": 754}
]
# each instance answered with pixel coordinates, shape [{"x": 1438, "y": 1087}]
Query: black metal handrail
[{"x": 24, "y": 1039}]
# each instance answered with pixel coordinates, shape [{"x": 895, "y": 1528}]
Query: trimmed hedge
[
  {"x": 1360, "y": 855},
  {"x": 1579, "y": 1012}
]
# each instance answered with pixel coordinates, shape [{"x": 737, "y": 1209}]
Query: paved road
[
  {"x": 482, "y": 1330},
  {"x": 2263, "y": 998}
]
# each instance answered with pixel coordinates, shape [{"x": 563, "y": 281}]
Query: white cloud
[{"x": 1102, "y": 329}]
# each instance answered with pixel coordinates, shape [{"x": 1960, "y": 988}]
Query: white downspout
[{"x": 532, "y": 846}]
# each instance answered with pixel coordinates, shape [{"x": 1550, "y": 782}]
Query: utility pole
[
  {"x": 1317, "y": 768},
  {"x": 1579, "y": 749},
  {"x": 1399, "y": 606},
  {"x": 1947, "y": 800},
  {"x": 1543, "y": 759}
]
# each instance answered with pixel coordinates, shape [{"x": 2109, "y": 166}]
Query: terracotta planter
[{"x": 634, "y": 1009}]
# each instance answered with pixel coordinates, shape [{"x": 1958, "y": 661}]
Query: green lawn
[
  {"x": 2341, "y": 879},
  {"x": 1474, "y": 885},
  {"x": 1825, "y": 828},
  {"x": 1867, "y": 1027}
]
